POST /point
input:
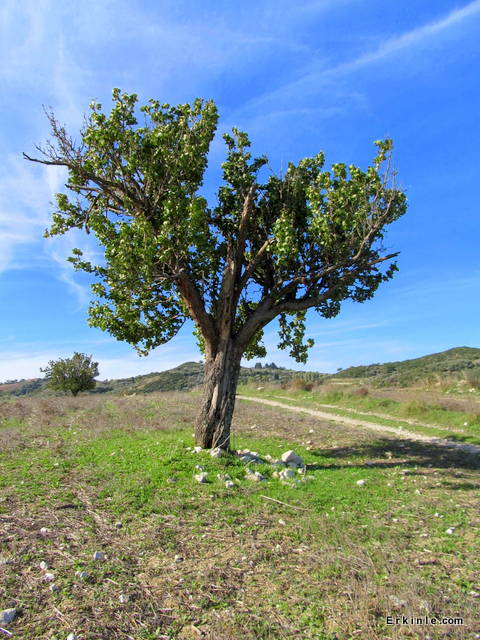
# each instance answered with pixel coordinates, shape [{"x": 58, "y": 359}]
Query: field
[{"x": 325, "y": 559}]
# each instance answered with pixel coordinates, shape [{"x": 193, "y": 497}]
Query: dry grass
[{"x": 326, "y": 573}]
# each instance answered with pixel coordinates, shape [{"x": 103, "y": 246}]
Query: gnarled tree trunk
[{"x": 212, "y": 426}]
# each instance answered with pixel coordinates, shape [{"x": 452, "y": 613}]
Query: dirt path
[
  {"x": 384, "y": 416},
  {"x": 355, "y": 422}
]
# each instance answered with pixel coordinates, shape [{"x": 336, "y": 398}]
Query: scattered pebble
[
  {"x": 83, "y": 575},
  {"x": 217, "y": 452},
  {"x": 72, "y": 636},
  {"x": 201, "y": 477},
  {"x": 197, "y": 449},
  {"x": 282, "y": 522},
  {"x": 7, "y": 616},
  {"x": 43, "y": 565},
  {"x": 43, "y": 531},
  {"x": 199, "y": 467},
  {"x": 99, "y": 555},
  {"x": 361, "y": 483},
  {"x": 178, "y": 558},
  {"x": 229, "y": 484},
  {"x": 290, "y": 457},
  {"x": 256, "y": 476},
  {"x": 118, "y": 525},
  {"x": 49, "y": 577},
  {"x": 123, "y": 598},
  {"x": 397, "y": 603},
  {"x": 285, "y": 474},
  {"x": 450, "y": 530},
  {"x": 54, "y": 587}
]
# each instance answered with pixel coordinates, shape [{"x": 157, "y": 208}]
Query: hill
[
  {"x": 407, "y": 372},
  {"x": 185, "y": 377},
  {"x": 189, "y": 375}
]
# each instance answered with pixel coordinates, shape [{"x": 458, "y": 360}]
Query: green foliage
[
  {"x": 73, "y": 374},
  {"x": 407, "y": 372},
  {"x": 309, "y": 239}
]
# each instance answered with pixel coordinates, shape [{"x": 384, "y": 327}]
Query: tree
[
  {"x": 273, "y": 249},
  {"x": 73, "y": 374}
]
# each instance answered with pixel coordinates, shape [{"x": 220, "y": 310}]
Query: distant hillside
[
  {"x": 189, "y": 375},
  {"x": 408, "y": 372},
  {"x": 185, "y": 377}
]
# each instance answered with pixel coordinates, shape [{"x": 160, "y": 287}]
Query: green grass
[
  {"x": 318, "y": 560},
  {"x": 455, "y": 425}
]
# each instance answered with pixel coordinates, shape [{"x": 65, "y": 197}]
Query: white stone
[
  {"x": 282, "y": 522},
  {"x": 54, "y": 587},
  {"x": 217, "y": 452},
  {"x": 260, "y": 388},
  {"x": 201, "y": 477},
  {"x": 197, "y": 449},
  {"x": 178, "y": 558},
  {"x": 7, "y": 616},
  {"x": 199, "y": 467},
  {"x": 99, "y": 555},
  {"x": 256, "y": 476},
  {"x": 49, "y": 577},
  {"x": 450, "y": 530},
  {"x": 123, "y": 598},
  {"x": 361, "y": 483},
  {"x": 229, "y": 484},
  {"x": 43, "y": 565},
  {"x": 397, "y": 603},
  {"x": 72, "y": 636},
  {"x": 286, "y": 474},
  {"x": 83, "y": 575},
  {"x": 43, "y": 531},
  {"x": 290, "y": 457}
]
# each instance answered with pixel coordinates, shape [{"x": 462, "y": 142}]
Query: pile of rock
[{"x": 292, "y": 473}]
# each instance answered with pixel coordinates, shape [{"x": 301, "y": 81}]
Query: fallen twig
[{"x": 285, "y": 503}]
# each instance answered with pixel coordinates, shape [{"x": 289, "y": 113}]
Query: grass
[
  {"x": 327, "y": 559},
  {"x": 416, "y": 416}
]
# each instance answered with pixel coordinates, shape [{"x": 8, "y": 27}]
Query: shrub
[
  {"x": 299, "y": 384},
  {"x": 361, "y": 391},
  {"x": 472, "y": 378}
]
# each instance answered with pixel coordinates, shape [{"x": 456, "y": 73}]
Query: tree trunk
[{"x": 212, "y": 426}]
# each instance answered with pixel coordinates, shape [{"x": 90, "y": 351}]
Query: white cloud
[
  {"x": 25, "y": 192},
  {"x": 318, "y": 76},
  {"x": 26, "y": 360}
]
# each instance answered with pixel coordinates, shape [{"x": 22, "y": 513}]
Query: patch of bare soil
[{"x": 354, "y": 422}]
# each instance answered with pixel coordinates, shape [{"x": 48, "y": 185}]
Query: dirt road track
[{"x": 364, "y": 424}]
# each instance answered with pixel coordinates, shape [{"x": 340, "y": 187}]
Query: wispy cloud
[
  {"x": 318, "y": 75},
  {"x": 24, "y": 196},
  {"x": 409, "y": 39}
]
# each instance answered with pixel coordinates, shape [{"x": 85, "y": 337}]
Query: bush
[
  {"x": 361, "y": 391},
  {"x": 472, "y": 378},
  {"x": 299, "y": 384}
]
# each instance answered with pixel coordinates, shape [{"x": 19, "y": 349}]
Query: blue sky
[{"x": 331, "y": 75}]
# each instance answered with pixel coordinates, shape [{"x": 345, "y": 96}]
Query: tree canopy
[
  {"x": 269, "y": 248},
  {"x": 73, "y": 374}
]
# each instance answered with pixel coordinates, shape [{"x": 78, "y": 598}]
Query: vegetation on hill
[
  {"x": 408, "y": 372},
  {"x": 461, "y": 362}
]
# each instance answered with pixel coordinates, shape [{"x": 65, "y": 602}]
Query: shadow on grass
[{"x": 411, "y": 453}]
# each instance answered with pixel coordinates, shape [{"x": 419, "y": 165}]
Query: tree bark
[{"x": 212, "y": 426}]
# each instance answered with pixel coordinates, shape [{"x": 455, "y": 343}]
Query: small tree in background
[
  {"x": 73, "y": 374},
  {"x": 266, "y": 249}
]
